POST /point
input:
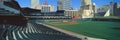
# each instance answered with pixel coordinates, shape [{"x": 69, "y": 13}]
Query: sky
[{"x": 75, "y": 3}]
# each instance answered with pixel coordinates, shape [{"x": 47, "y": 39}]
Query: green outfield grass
[
  {"x": 115, "y": 17},
  {"x": 105, "y": 30}
]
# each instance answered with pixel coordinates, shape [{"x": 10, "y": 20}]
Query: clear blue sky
[{"x": 75, "y": 3}]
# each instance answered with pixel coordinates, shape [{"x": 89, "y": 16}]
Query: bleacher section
[
  {"x": 7, "y": 17},
  {"x": 14, "y": 26},
  {"x": 5, "y": 12},
  {"x": 32, "y": 32},
  {"x": 9, "y": 9}
]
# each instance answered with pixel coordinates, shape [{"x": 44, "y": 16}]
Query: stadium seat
[{"x": 32, "y": 32}]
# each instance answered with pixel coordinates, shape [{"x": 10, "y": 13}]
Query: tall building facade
[
  {"x": 71, "y": 13},
  {"x": 104, "y": 8},
  {"x": 112, "y": 7},
  {"x": 95, "y": 10},
  {"x": 87, "y": 9},
  {"x": 118, "y": 6},
  {"x": 86, "y": 2},
  {"x": 64, "y": 5},
  {"x": 47, "y": 8},
  {"x": 34, "y": 3},
  {"x": 38, "y": 7},
  {"x": 116, "y": 9}
]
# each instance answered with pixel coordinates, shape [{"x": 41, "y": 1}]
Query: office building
[
  {"x": 34, "y": 3},
  {"x": 87, "y": 9},
  {"x": 118, "y": 5},
  {"x": 116, "y": 9},
  {"x": 95, "y": 11},
  {"x": 104, "y": 8},
  {"x": 38, "y": 7},
  {"x": 47, "y": 8},
  {"x": 86, "y": 2},
  {"x": 71, "y": 13},
  {"x": 64, "y": 5}
]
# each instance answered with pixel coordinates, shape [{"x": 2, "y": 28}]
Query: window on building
[{"x": 87, "y": 7}]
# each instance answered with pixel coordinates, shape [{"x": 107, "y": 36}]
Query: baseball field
[{"x": 96, "y": 29}]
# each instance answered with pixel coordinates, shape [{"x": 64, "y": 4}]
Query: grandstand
[
  {"x": 32, "y": 32},
  {"x": 15, "y": 27},
  {"x": 8, "y": 17}
]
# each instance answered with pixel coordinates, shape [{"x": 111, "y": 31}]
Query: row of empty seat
[
  {"x": 33, "y": 31},
  {"x": 14, "y": 30}
]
